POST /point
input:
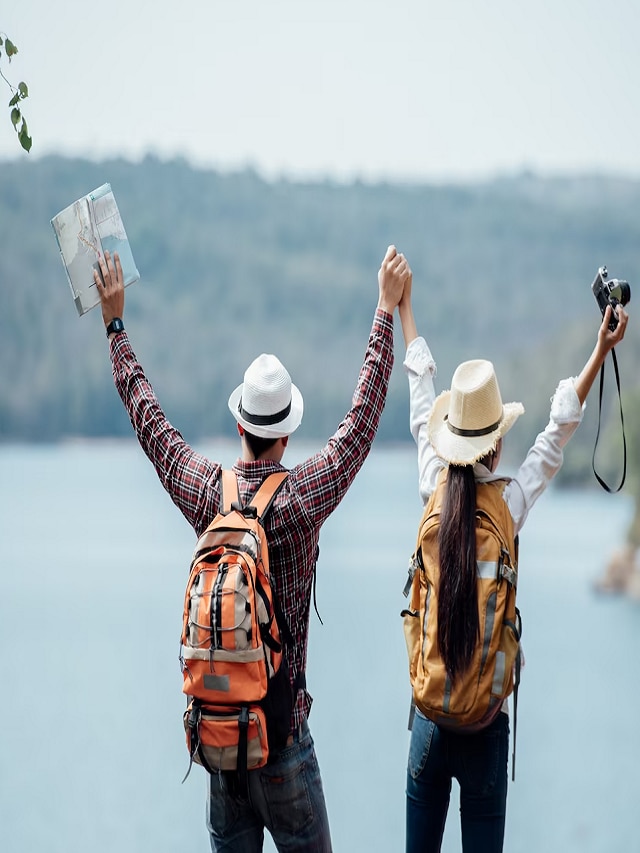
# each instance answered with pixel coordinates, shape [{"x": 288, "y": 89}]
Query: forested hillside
[{"x": 233, "y": 265}]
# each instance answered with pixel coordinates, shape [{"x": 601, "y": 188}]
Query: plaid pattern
[{"x": 312, "y": 491}]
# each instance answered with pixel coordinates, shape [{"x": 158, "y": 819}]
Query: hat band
[
  {"x": 264, "y": 420},
  {"x": 471, "y": 433}
]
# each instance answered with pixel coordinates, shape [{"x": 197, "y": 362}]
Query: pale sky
[{"x": 399, "y": 90}]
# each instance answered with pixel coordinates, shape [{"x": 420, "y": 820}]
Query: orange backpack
[
  {"x": 476, "y": 697},
  {"x": 231, "y": 649}
]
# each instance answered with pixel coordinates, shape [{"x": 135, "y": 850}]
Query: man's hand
[
  {"x": 110, "y": 285},
  {"x": 394, "y": 274}
]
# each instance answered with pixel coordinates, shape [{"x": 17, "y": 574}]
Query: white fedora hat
[
  {"x": 267, "y": 403},
  {"x": 466, "y": 422}
]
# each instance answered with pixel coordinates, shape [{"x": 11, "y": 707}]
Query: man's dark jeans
[{"x": 285, "y": 797}]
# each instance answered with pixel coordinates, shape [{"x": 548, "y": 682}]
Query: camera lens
[
  {"x": 619, "y": 291},
  {"x": 625, "y": 292}
]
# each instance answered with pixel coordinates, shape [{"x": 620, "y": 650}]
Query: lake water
[{"x": 93, "y": 561}]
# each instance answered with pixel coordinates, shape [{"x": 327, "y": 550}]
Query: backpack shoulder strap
[
  {"x": 268, "y": 489},
  {"x": 228, "y": 490},
  {"x": 491, "y": 498},
  {"x": 433, "y": 504}
]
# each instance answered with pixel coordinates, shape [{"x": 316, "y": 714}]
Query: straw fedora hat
[
  {"x": 466, "y": 422},
  {"x": 267, "y": 403}
]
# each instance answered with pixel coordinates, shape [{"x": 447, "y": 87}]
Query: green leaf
[
  {"x": 1, "y": 41},
  {"x": 26, "y": 142},
  {"x": 24, "y": 91},
  {"x": 14, "y": 100},
  {"x": 10, "y": 48},
  {"x": 25, "y": 139},
  {"x": 16, "y": 115}
]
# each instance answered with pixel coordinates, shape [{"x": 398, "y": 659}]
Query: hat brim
[
  {"x": 279, "y": 430},
  {"x": 460, "y": 449}
]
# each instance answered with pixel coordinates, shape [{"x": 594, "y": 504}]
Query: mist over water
[{"x": 93, "y": 564}]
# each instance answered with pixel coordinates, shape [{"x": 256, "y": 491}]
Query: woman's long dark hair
[{"x": 458, "y": 624}]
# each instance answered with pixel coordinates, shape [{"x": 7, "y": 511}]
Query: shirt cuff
[
  {"x": 418, "y": 359},
  {"x": 565, "y": 405},
  {"x": 384, "y": 318}
]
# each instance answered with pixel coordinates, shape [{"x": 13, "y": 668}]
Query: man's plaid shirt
[{"x": 311, "y": 492}]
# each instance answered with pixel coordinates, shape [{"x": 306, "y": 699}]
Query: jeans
[
  {"x": 479, "y": 762},
  {"x": 285, "y": 796}
]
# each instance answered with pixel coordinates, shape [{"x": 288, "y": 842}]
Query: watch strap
[{"x": 116, "y": 325}]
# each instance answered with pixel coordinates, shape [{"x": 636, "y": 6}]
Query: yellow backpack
[{"x": 494, "y": 672}]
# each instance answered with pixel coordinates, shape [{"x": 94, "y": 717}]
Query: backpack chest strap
[{"x": 261, "y": 500}]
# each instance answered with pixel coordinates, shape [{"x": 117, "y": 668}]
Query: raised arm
[
  {"x": 545, "y": 458},
  {"x": 405, "y": 311},
  {"x": 323, "y": 479},
  {"x": 421, "y": 370},
  {"x": 607, "y": 339},
  {"x": 184, "y": 473}
]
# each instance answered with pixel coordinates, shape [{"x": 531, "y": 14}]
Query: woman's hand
[{"x": 608, "y": 338}]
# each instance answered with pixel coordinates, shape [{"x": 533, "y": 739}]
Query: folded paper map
[{"x": 85, "y": 230}]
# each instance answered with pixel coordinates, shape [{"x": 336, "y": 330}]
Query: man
[{"x": 286, "y": 795}]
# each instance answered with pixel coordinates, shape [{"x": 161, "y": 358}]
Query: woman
[{"x": 460, "y": 431}]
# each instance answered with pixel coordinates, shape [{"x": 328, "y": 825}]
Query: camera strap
[{"x": 624, "y": 440}]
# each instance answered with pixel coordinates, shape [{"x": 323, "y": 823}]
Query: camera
[{"x": 610, "y": 292}]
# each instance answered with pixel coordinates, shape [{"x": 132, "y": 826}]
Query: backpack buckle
[
  {"x": 193, "y": 719},
  {"x": 243, "y": 719},
  {"x": 509, "y": 574},
  {"x": 506, "y": 570},
  {"x": 413, "y": 568}
]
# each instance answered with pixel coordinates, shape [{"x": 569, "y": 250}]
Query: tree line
[{"x": 233, "y": 265}]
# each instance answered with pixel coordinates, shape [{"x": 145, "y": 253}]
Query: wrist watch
[{"x": 116, "y": 325}]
